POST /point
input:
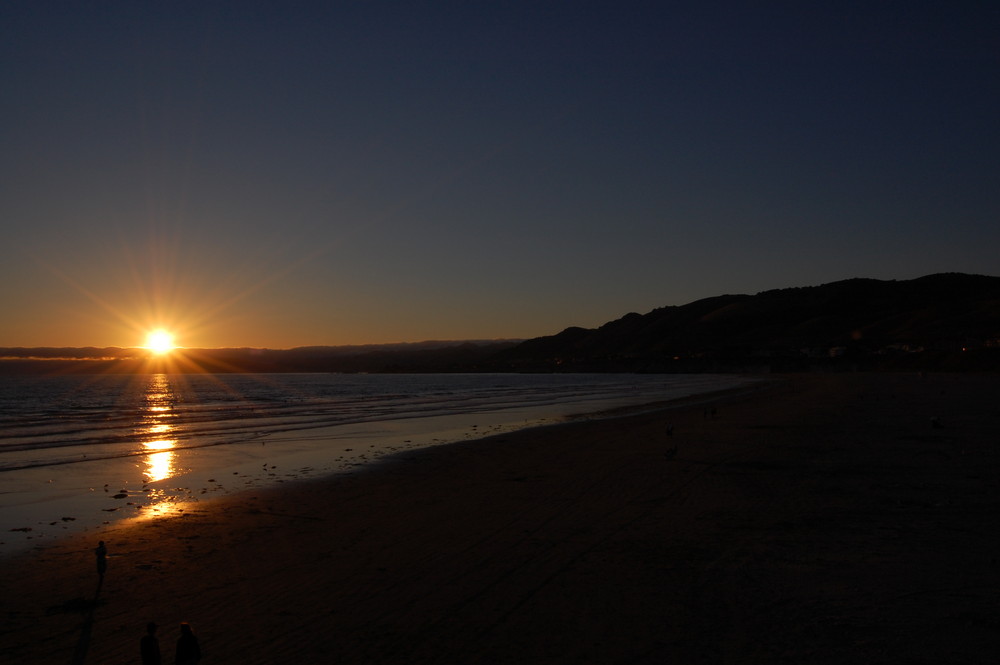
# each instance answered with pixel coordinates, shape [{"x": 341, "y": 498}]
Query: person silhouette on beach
[
  {"x": 149, "y": 646},
  {"x": 101, "y": 552},
  {"x": 670, "y": 452},
  {"x": 188, "y": 650}
]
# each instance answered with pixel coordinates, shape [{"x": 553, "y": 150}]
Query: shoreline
[
  {"x": 49, "y": 502},
  {"x": 824, "y": 519}
]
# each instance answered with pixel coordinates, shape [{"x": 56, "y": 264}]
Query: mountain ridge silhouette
[{"x": 939, "y": 321}]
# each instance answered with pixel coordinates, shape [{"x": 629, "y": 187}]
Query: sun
[{"x": 160, "y": 341}]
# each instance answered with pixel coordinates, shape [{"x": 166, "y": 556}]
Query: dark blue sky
[{"x": 282, "y": 174}]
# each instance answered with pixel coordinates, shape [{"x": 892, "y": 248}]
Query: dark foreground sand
[{"x": 822, "y": 520}]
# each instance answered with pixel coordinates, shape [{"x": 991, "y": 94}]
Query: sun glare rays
[{"x": 166, "y": 282}]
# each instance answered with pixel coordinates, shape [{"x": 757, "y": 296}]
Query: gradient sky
[{"x": 278, "y": 174}]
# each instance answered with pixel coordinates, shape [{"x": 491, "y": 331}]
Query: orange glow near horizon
[{"x": 160, "y": 341}]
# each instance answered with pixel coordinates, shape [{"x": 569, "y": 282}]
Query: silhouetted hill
[{"x": 949, "y": 321}]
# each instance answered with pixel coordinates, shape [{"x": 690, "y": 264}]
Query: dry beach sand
[{"x": 822, "y": 519}]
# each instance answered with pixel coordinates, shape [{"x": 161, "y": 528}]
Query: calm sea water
[
  {"x": 72, "y": 419},
  {"x": 70, "y": 444}
]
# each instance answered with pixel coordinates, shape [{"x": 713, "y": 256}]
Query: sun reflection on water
[{"x": 160, "y": 457}]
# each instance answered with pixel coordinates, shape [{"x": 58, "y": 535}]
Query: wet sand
[
  {"x": 41, "y": 503},
  {"x": 825, "y": 519}
]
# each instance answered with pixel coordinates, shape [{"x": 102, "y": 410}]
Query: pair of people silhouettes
[{"x": 188, "y": 650}]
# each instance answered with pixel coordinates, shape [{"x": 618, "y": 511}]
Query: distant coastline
[
  {"x": 943, "y": 322},
  {"x": 434, "y": 356}
]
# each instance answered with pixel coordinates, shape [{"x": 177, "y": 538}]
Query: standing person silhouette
[
  {"x": 149, "y": 646},
  {"x": 188, "y": 651},
  {"x": 101, "y": 552},
  {"x": 671, "y": 452}
]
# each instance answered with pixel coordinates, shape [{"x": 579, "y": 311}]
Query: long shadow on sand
[{"x": 85, "y": 607}]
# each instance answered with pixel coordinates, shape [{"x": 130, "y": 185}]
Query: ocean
[{"x": 83, "y": 450}]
